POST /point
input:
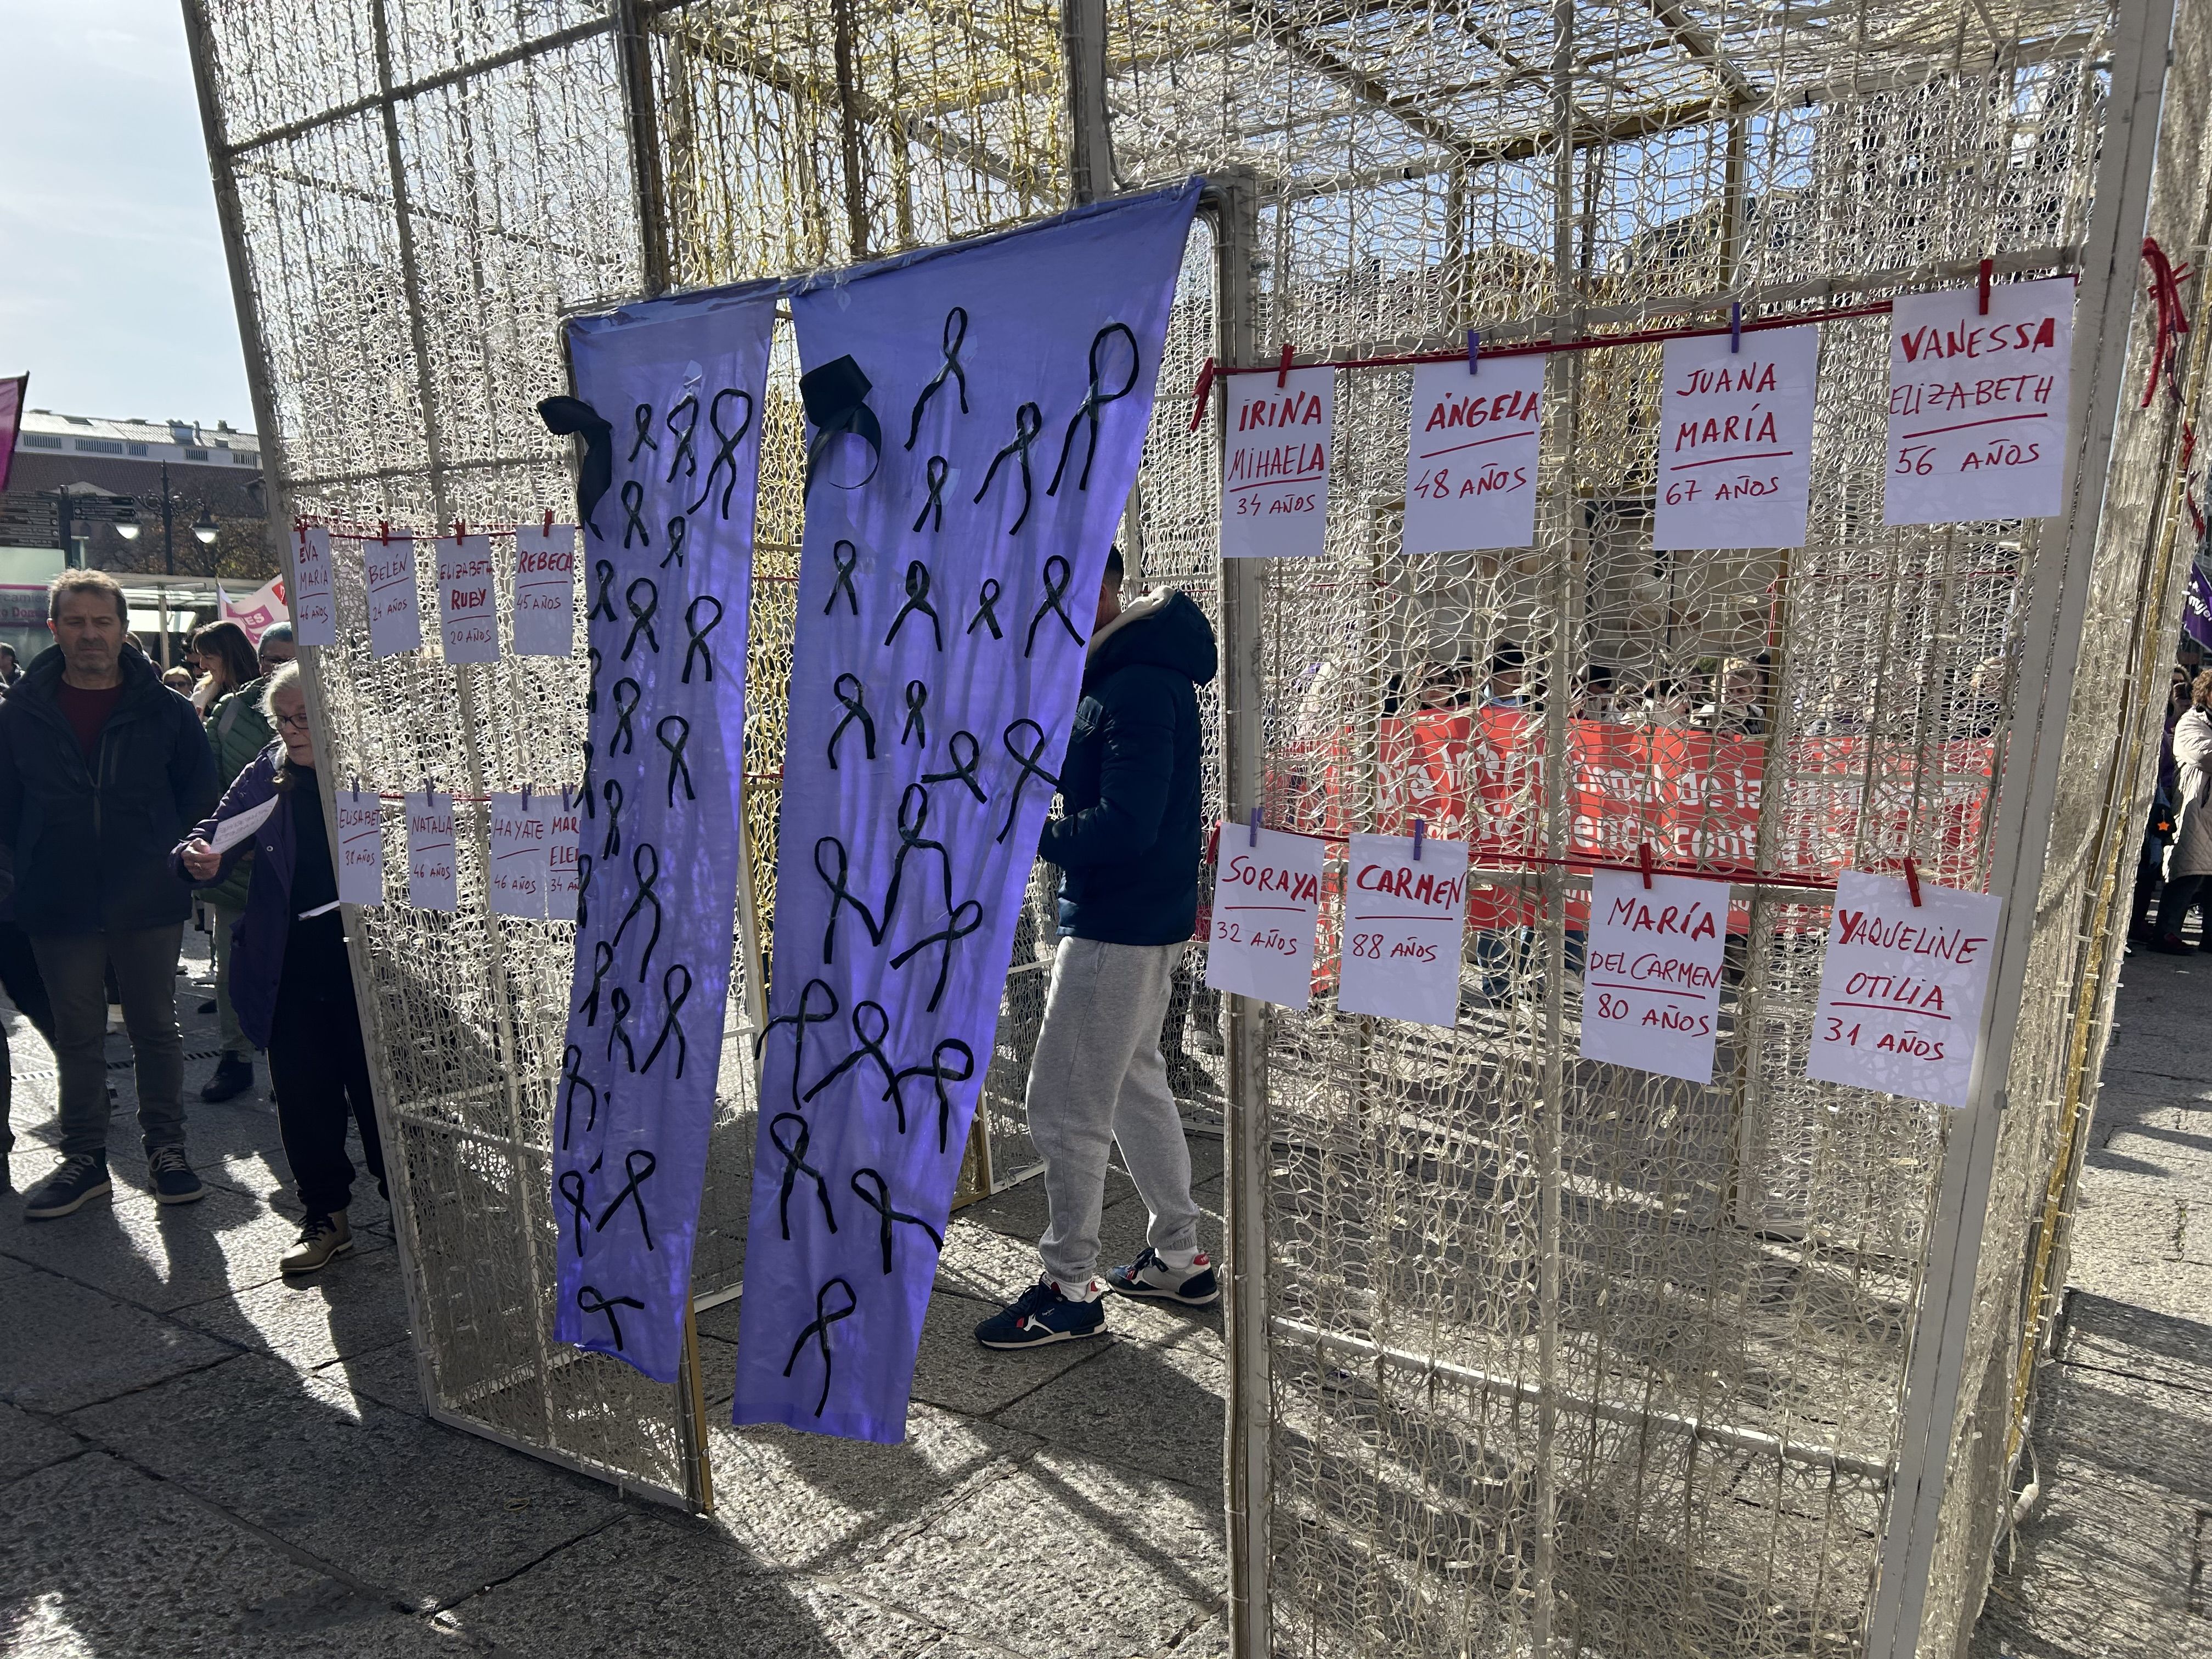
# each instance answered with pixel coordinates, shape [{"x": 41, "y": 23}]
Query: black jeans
[
  {"x": 319, "y": 1071},
  {"x": 2173, "y": 904},
  {"x": 75, "y": 967}
]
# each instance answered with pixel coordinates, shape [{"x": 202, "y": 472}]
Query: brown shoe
[{"x": 323, "y": 1238}]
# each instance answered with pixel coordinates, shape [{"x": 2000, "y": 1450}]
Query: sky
[{"x": 113, "y": 293}]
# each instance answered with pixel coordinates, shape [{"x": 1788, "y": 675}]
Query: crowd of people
[
  {"x": 1727, "y": 694},
  {"x": 128, "y": 796}
]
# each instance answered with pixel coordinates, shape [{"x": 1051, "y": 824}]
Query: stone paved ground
[
  {"x": 2112, "y": 1560},
  {"x": 197, "y": 1458}
]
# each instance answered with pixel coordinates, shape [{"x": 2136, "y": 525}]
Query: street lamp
[
  {"x": 127, "y": 527},
  {"x": 204, "y": 528}
]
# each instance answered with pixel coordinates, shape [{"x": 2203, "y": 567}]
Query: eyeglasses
[{"x": 293, "y": 722}]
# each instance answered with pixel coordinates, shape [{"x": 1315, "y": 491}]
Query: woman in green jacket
[{"x": 237, "y": 731}]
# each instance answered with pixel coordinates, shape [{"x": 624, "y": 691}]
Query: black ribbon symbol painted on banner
[
  {"x": 592, "y": 683},
  {"x": 578, "y": 1210},
  {"x": 726, "y": 455},
  {"x": 913, "y": 819},
  {"x": 848, "y": 560},
  {"x": 624, "y": 740},
  {"x": 571, "y": 1062},
  {"x": 603, "y": 960},
  {"x": 568, "y": 417},
  {"x": 987, "y": 613},
  {"x": 678, "y": 768},
  {"x": 642, "y": 415},
  {"x": 936, "y": 473},
  {"x": 676, "y": 530},
  {"x": 1029, "y": 422},
  {"x": 603, "y": 571},
  {"x": 879, "y": 1200},
  {"x": 607, "y": 1305},
  {"x": 687, "y": 435},
  {"x": 798, "y": 1021},
  {"x": 917, "y": 600},
  {"x": 1095, "y": 400},
  {"x": 584, "y": 865},
  {"x": 629, "y": 1194},
  {"x": 1028, "y": 763},
  {"x": 645, "y": 879},
  {"x": 963, "y": 765},
  {"x": 836, "y": 396},
  {"x": 871, "y": 1047},
  {"x": 795, "y": 1165},
  {"x": 824, "y": 1319},
  {"x": 841, "y": 894},
  {"x": 673, "y": 997},
  {"x": 856, "y": 708},
  {"x": 698, "y": 646},
  {"x": 618, "y": 1001},
  {"x": 611, "y": 793},
  {"x": 1056, "y": 601},
  {"x": 954, "y": 930},
  {"x": 940, "y": 1074},
  {"x": 956, "y": 332},
  {"x": 632, "y": 495},
  {"x": 917, "y": 701},
  {"x": 641, "y": 616}
]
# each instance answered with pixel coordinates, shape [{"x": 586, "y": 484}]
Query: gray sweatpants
[{"x": 1098, "y": 1080}]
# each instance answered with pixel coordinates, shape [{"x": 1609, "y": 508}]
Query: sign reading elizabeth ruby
[
  {"x": 1978, "y": 403},
  {"x": 468, "y": 607},
  {"x": 1274, "y": 487},
  {"x": 1901, "y": 989},
  {"x": 1651, "y": 976},
  {"x": 314, "y": 612},
  {"x": 1403, "y": 919},
  {"x": 1471, "y": 461},
  {"x": 1267, "y": 906},
  {"x": 1735, "y": 439}
]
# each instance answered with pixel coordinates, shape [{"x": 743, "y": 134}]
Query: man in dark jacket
[
  {"x": 102, "y": 768},
  {"x": 1127, "y": 846}
]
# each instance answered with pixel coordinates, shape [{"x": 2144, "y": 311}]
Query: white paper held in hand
[
  {"x": 1902, "y": 987},
  {"x": 1266, "y": 905},
  {"x": 431, "y": 882},
  {"x": 361, "y": 846},
  {"x": 240, "y": 826},
  {"x": 1651, "y": 972},
  {"x": 1404, "y": 919}
]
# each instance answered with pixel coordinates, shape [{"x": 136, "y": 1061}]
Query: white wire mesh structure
[{"x": 1528, "y": 1355}]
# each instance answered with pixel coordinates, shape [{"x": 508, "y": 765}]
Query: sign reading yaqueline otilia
[
  {"x": 1651, "y": 972},
  {"x": 1405, "y": 912},
  {"x": 1736, "y": 439},
  {"x": 975, "y": 415},
  {"x": 1902, "y": 986},
  {"x": 1274, "y": 488},
  {"x": 1471, "y": 456},
  {"x": 675, "y": 390},
  {"x": 1267, "y": 910},
  {"x": 1977, "y": 402}
]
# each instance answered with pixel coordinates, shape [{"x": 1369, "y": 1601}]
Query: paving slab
[
  {"x": 390, "y": 1376},
  {"x": 93, "y": 1347},
  {"x": 320, "y": 1461},
  {"x": 31, "y": 1442},
  {"x": 1158, "y": 1407},
  {"x": 353, "y": 1306}
]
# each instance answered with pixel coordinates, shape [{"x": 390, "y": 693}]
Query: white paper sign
[
  {"x": 564, "y": 824},
  {"x": 1274, "y": 492},
  {"x": 1735, "y": 439},
  {"x": 468, "y": 603},
  {"x": 1266, "y": 905},
  {"x": 1902, "y": 986},
  {"x": 231, "y": 830},
  {"x": 1978, "y": 403},
  {"x": 361, "y": 846},
  {"x": 519, "y": 838},
  {"x": 1471, "y": 463},
  {"x": 545, "y": 592},
  {"x": 1651, "y": 972},
  {"x": 431, "y": 884},
  {"x": 315, "y": 614},
  {"x": 395, "y": 616},
  {"x": 1403, "y": 920}
]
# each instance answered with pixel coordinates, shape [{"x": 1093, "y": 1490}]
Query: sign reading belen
[{"x": 1902, "y": 987}]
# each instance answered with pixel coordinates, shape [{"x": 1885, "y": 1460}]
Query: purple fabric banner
[
  {"x": 2196, "y": 608},
  {"x": 667, "y": 565},
  {"x": 944, "y": 604}
]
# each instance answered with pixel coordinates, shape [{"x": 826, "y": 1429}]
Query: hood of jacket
[
  {"x": 40, "y": 682},
  {"x": 1162, "y": 629}
]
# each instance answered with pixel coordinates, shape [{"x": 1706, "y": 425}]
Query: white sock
[
  {"x": 1090, "y": 1290},
  {"x": 1176, "y": 1262}
]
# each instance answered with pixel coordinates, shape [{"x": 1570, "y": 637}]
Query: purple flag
[
  {"x": 2196, "y": 609},
  {"x": 978, "y": 412},
  {"x": 667, "y": 565}
]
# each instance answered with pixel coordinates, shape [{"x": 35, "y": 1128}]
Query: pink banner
[
  {"x": 257, "y": 611},
  {"x": 11, "y": 417}
]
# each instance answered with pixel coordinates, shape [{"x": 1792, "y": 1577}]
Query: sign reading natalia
[
  {"x": 431, "y": 883},
  {"x": 314, "y": 612},
  {"x": 1403, "y": 920},
  {"x": 1902, "y": 986},
  {"x": 468, "y": 606},
  {"x": 1977, "y": 402},
  {"x": 1275, "y": 491},
  {"x": 395, "y": 617},
  {"x": 1735, "y": 439},
  {"x": 1267, "y": 906},
  {"x": 1471, "y": 462},
  {"x": 545, "y": 592},
  {"x": 361, "y": 846},
  {"x": 1651, "y": 979}
]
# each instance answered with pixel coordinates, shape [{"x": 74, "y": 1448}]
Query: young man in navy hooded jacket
[{"x": 1127, "y": 845}]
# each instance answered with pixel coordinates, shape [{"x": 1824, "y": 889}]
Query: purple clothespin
[
  {"x": 1736, "y": 326},
  {"x": 1255, "y": 826},
  {"x": 356, "y": 789},
  {"x": 526, "y": 795},
  {"x": 1473, "y": 348},
  {"x": 1417, "y": 828}
]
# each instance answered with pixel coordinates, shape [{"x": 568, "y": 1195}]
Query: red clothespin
[
  {"x": 460, "y": 529},
  {"x": 1282, "y": 369},
  {"x": 1644, "y": 861},
  {"x": 549, "y": 520},
  {"x": 1473, "y": 348},
  {"x": 1212, "y": 844},
  {"x": 1201, "y": 393},
  {"x": 1913, "y": 882},
  {"x": 1736, "y": 326},
  {"x": 1982, "y": 289},
  {"x": 1255, "y": 826},
  {"x": 1418, "y": 827},
  {"x": 384, "y": 531}
]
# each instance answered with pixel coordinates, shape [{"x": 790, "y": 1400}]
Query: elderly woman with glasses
[{"x": 290, "y": 981}]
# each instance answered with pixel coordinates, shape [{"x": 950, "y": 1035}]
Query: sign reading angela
[
  {"x": 1471, "y": 460},
  {"x": 1274, "y": 489},
  {"x": 1405, "y": 910},
  {"x": 1267, "y": 906},
  {"x": 1651, "y": 978}
]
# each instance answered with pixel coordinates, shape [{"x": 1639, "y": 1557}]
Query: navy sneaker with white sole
[
  {"x": 82, "y": 1177},
  {"x": 1043, "y": 1314},
  {"x": 1194, "y": 1286}
]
